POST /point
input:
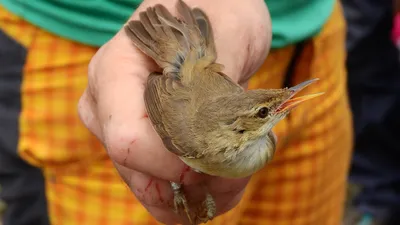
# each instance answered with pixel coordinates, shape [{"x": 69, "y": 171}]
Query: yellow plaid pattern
[{"x": 304, "y": 185}]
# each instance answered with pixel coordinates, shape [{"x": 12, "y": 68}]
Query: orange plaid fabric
[{"x": 304, "y": 185}]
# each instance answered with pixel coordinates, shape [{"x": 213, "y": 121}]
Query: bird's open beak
[{"x": 292, "y": 102}]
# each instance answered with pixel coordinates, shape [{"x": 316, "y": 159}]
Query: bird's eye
[{"x": 263, "y": 112}]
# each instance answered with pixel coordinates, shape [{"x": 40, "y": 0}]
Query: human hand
[{"x": 112, "y": 106}]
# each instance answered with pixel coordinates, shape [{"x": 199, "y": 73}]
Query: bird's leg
[
  {"x": 208, "y": 208},
  {"x": 180, "y": 201}
]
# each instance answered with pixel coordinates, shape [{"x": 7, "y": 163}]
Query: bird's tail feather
[{"x": 174, "y": 44}]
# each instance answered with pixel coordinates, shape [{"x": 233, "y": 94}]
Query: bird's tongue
[{"x": 292, "y": 102}]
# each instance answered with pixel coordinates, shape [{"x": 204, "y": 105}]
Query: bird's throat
[{"x": 245, "y": 162}]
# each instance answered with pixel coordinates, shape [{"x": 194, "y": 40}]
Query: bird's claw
[
  {"x": 180, "y": 201},
  {"x": 209, "y": 209}
]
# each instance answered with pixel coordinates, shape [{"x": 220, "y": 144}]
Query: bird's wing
[{"x": 166, "y": 106}]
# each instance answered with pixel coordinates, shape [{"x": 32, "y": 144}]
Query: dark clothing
[
  {"x": 22, "y": 185},
  {"x": 374, "y": 88}
]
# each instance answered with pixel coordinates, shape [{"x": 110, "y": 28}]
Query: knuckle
[
  {"x": 119, "y": 145},
  {"x": 81, "y": 110},
  {"x": 87, "y": 116},
  {"x": 83, "y": 107},
  {"x": 93, "y": 63},
  {"x": 93, "y": 69}
]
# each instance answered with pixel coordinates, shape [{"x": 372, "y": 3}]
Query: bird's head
[{"x": 254, "y": 113}]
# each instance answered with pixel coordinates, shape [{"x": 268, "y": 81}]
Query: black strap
[
  {"x": 288, "y": 79},
  {"x": 287, "y": 82}
]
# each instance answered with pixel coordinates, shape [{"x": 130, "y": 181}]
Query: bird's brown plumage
[
  {"x": 200, "y": 113},
  {"x": 185, "y": 50}
]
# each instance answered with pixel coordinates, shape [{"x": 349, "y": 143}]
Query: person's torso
[{"x": 95, "y": 22}]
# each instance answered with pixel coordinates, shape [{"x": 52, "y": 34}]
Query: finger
[
  {"x": 220, "y": 185},
  {"x": 230, "y": 201},
  {"x": 156, "y": 192},
  {"x": 117, "y": 74},
  {"x": 155, "y": 195},
  {"x": 163, "y": 216},
  {"x": 149, "y": 190},
  {"x": 139, "y": 145},
  {"x": 87, "y": 116}
]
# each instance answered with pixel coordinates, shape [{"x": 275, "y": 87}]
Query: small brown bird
[{"x": 201, "y": 115}]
